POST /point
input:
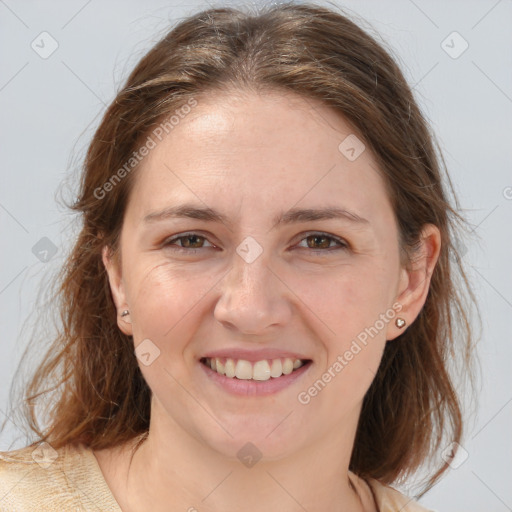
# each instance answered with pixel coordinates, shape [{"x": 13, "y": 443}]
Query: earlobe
[
  {"x": 117, "y": 290},
  {"x": 415, "y": 281}
]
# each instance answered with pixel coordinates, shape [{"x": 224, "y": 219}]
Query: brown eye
[
  {"x": 191, "y": 241},
  {"x": 323, "y": 242},
  {"x": 187, "y": 242},
  {"x": 318, "y": 242}
]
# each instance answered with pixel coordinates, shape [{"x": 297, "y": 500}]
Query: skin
[{"x": 252, "y": 157}]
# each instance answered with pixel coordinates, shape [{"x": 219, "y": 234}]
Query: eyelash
[{"x": 343, "y": 245}]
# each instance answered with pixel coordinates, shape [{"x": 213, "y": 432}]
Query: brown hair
[{"x": 100, "y": 397}]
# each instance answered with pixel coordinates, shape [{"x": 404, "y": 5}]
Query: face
[{"x": 253, "y": 278}]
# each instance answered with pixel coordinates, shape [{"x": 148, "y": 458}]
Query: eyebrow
[{"x": 294, "y": 215}]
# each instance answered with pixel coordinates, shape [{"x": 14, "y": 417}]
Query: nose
[{"x": 253, "y": 298}]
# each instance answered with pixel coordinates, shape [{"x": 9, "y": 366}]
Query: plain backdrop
[{"x": 457, "y": 56}]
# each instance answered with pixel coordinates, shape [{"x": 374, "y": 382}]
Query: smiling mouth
[{"x": 259, "y": 370}]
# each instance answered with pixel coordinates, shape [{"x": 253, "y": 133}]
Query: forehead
[{"x": 268, "y": 151}]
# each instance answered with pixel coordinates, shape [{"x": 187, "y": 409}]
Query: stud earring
[
  {"x": 125, "y": 312},
  {"x": 400, "y": 322}
]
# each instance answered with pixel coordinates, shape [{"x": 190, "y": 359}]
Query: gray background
[{"x": 51, "y": 106}]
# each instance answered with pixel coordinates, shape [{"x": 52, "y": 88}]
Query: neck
[{"x": 173, "y": 467}]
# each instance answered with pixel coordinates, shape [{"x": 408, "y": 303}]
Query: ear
[
  {"x": 117, "y": 288},
  {"x": 415, "y": 281}
]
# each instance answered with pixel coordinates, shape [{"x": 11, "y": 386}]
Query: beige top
[{"x": 70, "y": 479}]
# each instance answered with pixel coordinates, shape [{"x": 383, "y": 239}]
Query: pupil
[
  {"x": 320, "y": 237},
  {"x": 191, "y": 237}
]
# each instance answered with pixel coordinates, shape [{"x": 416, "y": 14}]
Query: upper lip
[{"x": 254, "y": 355}]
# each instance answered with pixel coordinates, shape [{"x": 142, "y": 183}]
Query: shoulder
[
  {"x": 34, "y": 474},
  {"x": 391, "y": 500},
  {"x": 386, "y": 498},
  {"x": 38, "y": 477}
]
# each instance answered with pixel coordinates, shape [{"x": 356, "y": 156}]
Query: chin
[{"x": 255, "y": 438}]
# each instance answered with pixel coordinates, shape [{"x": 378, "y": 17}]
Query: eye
[
  {"x": 321, "y": 242},
  {"x": 317, "y": 242},
  {"x": 189, "y": 242}
]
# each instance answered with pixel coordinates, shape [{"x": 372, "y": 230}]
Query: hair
[{"x": 99, "y": 396}]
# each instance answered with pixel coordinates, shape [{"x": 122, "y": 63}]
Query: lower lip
[{"x": 249, "y": 387}]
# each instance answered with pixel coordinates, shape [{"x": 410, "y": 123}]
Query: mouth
[{"x": 262, "y": 370}]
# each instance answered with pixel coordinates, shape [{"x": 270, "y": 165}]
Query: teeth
[
  {"x": 229, "y": 368},
  {"x": 276, "y": 369},
  {"x": 260, "y": 370},
  {"x": 287, "y": 366},
  {"x": 243, "y": 370}
]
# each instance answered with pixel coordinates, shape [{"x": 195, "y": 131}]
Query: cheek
[
  {"x": 163, "y": 299},
  {"x": 354, "y": 311},
  {"x": 353, "y": 348},
  {"x": 346, "y": 301}
]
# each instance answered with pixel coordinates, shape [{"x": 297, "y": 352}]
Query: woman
[{"x": 260, "y": 307}]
